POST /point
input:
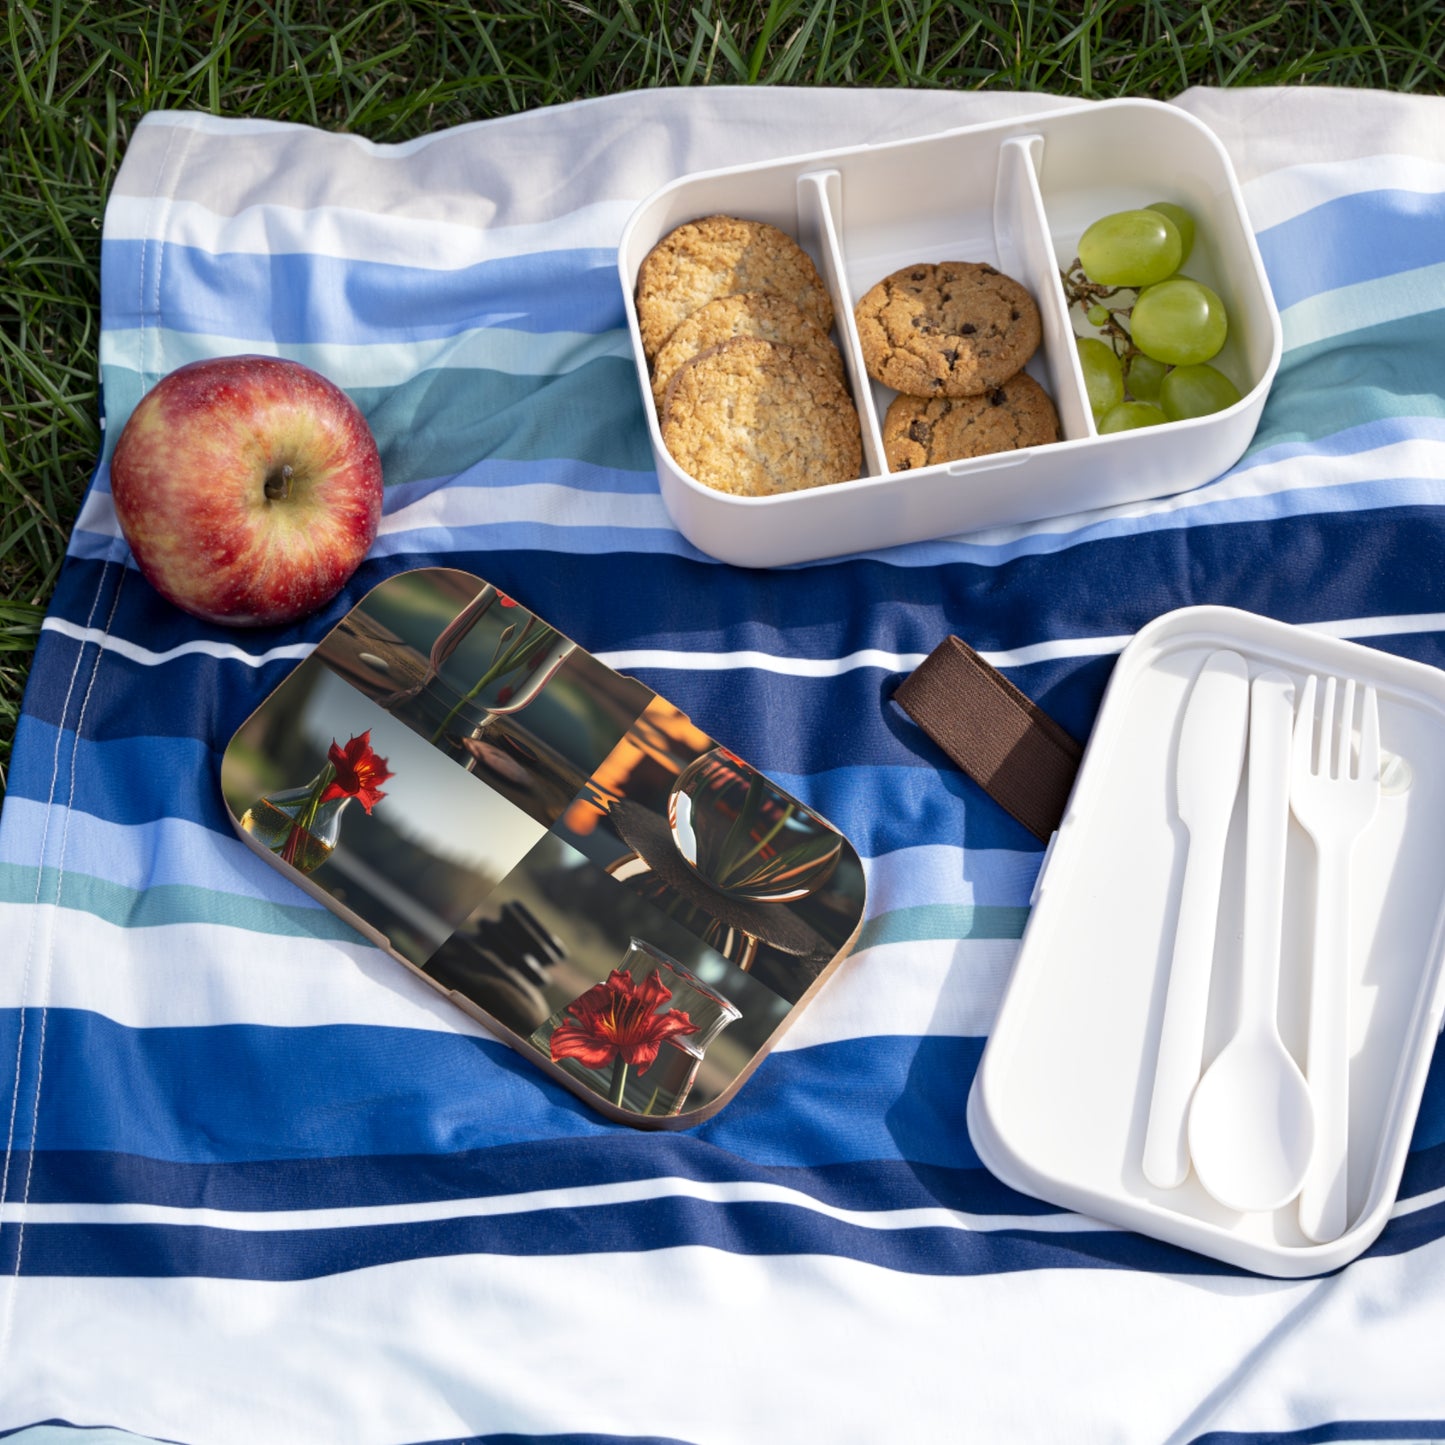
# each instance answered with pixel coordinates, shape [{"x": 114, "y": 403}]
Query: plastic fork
[{"x": 1334, "y": 793}]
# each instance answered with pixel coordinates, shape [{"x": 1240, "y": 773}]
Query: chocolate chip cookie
[
  {"x": 752, "y": 417},
  {"x": 955, "y": 328},
  {"x": 918, "y": 432},
  {"x": 717, "y": 256},
  {"x": 749, "y": 313}
]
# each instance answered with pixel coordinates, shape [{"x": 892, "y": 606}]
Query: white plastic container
[
  {"x": 1060, "y": 1104},
  {"x": 1016, "y": 195}
]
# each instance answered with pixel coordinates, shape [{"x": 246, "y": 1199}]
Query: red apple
[{"x": 248, "y": 487}]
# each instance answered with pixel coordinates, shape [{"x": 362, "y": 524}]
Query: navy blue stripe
[
  {"x": 755, "y": 1229},
  {"x": 1338, "y": 565},
  {"x": 1341, "y": 566},
  {"x": 1415, "y": 1431},
  {"x": 299, "y": 297},
  {"x": 73, "y": 1177},
  {"x": 1353, "y": 238},
  {"x": 206, "y": 1094},
  {"x": 508, "y": 1438}
]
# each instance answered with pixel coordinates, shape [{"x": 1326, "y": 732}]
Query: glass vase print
[
  {"x": 302, "y": 825},
  {"x": 477, "y": 674},
  {"x": 486, "y": 682},
  {"x": 745, "y": 836},
  {"x": 712, "y": 843},
  {"x": 638, "y": 1037}
]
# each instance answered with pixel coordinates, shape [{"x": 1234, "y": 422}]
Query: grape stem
[{"x": 1081, "y": 292}]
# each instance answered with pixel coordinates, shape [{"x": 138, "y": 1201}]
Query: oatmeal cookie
[
  {"x": 955, "y": 328},
  {"x": 748, "y": 313},
  {"x": 752, "y": 417},
  {"x": 716, "y": 256},
  {"x": 918, "y": 432}
]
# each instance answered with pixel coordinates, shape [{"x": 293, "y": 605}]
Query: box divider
[
  {"x": 1026, "y": 251},
  {"x": 820, "y": 220}
]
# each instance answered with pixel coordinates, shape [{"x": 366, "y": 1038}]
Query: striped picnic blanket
[{"x": 260, "y": 1184}]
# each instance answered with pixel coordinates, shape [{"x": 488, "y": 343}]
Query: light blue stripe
[
  {"x": 485, "y": 348},
  {"x": 1353, "y": 238},
  {"x": 308, "y": 299},
  {"x": 166, "y": 853}
]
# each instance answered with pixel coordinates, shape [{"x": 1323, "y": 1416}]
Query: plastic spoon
[
  {"x": 1211, "y": 754},
  {"x": 1251, "y": 1121}
]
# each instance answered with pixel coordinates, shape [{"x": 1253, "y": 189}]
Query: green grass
[{"x": 76, "y": 77}]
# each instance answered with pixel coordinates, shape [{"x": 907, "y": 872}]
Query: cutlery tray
[{"x": 1059, "y": 1108}]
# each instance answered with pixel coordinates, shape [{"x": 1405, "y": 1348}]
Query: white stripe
[
  {"x": 1293, "y": 190},
  {"x": 459, "y": 505},
  {"x": 594, "y": 1196},
  {"x": 1362, "y": 305},
  {"x": 927, "y": 988},
  {"x": 1419, "y": 457},
  {"x": 354, "y": 366},
  {"x": 426, "y": 243},
  {"x": 543, "y": 502},
  {"x": 666, "y": 659},
  {"x": 793, "y": 1347},
  {"x": 585, "y": 1196},
  {"x": 198, "y": 975},
  {"x": 202, "y": 647},
  {"x": 1418, "y": 1202}
]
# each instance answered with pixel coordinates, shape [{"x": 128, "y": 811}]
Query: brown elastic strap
[{"x": 1008, "y": 745}]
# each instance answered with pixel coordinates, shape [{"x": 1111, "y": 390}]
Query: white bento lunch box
[
  {"x": 1016, "y": 195},
  {"x": 1060, "y": 1105}
]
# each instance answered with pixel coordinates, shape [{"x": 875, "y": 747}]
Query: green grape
[
  {"x": 1098, "y": 315},
  {"x": 1144, "y": 376},
  {"x": 1179, "y": 322},
  {"x": 1183, "y": 223},
  {"x": 1103, "y": 376},
  {"x": 1196, "y": 391},
  {"x": 1129, "y": 415},
  {"x": 1130, "y": 248}
]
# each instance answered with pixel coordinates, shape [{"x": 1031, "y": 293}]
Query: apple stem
[{"x": 278, "y": 484}]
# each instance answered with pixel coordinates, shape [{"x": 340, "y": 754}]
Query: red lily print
[
  {"x": 618, "y": 1022},
  {"x": 359, "y": 772}
]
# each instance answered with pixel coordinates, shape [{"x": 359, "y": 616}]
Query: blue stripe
[
  {"x": 298, "y": 297},
  {"x": 211, "y": 1093},
  {"x": 1350, "y": 239},
  {"x": 203, "y": 1095},
  {"x": 1343, "y": 565},
  {"x": 96, "y": 1177},
  {"x": 755, "y": 1229},
  {"x": 1417, "y": 1432},
  {"x": 63, "y": 1432}
]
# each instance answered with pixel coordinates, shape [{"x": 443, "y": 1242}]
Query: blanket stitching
[
  {"x": 48, "y": 971},
  {"x": 163, "y": 186},
  {"x": 30, "y": 949}
]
